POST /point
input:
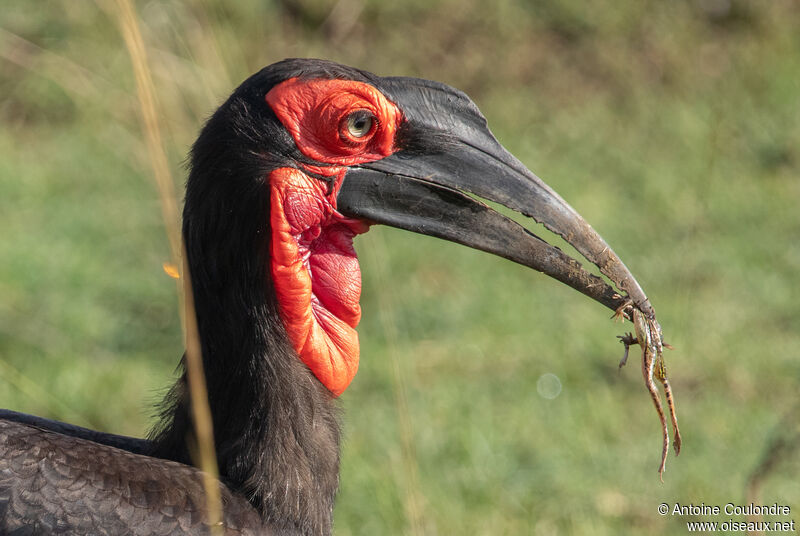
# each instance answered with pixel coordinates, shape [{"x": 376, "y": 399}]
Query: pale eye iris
[{"x": 359, "y": 123}]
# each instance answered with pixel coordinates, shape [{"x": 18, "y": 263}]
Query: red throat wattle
[
  {"x": 316, "y": 276},
  {"x": 314, "y": 266}
]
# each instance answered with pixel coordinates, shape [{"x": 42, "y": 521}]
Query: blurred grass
[{"x": 674, "y": 128}]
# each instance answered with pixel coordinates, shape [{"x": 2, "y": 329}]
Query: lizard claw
[
  {"x": 620, "y": 313},
  {"x": 628, "y": 340}
]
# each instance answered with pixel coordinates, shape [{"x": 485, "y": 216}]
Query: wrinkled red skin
[
  {"x": 314, "y": 266},
  {"x": 316, "y": 276}
]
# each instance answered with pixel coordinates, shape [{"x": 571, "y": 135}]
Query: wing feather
[{"x": 61, "y": 484}]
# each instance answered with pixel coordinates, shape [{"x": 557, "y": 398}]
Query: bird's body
[
  {"x": 111, "y": 490},
  {"x": 305, "y": 155}
]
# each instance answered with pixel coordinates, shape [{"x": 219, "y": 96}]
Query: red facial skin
[{"x": 314, "y": 266}]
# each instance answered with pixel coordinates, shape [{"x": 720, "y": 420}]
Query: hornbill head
[{"x": 322, "y": 151}]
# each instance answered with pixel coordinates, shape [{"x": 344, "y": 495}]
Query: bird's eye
[{"x": 360, "y": 123}]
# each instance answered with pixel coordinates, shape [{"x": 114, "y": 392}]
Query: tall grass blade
[{"x": 201, "y": 412}]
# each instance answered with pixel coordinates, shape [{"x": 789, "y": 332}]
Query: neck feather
[{"x": 275, "y": 425}]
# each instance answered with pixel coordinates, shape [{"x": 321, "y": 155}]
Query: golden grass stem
[
  {"x": 145, "y": 90},
  {"x": 201, "y": 412}
]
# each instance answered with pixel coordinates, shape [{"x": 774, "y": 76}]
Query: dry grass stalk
[{"x": 201, "y": 412}]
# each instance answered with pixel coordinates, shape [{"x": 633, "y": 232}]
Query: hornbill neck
[{"x": 275, "y": 424}]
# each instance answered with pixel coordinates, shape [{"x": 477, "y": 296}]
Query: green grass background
[{"x": 673, "y": 127}]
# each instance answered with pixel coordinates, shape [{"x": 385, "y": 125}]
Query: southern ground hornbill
[{"x": 305, "y": 155}]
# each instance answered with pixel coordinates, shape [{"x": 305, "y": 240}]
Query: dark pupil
[{"x": 360, "y": 123}]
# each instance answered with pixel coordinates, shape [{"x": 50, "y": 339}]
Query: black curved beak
[{"x": 451, "y": 153}]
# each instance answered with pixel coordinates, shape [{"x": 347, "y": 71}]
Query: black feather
[{"x": 275, "y": 425}]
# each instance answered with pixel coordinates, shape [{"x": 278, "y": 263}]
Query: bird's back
[{"x": 52, "y": 483}]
